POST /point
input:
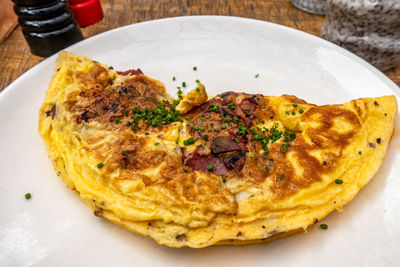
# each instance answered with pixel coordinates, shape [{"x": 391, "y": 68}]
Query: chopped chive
[
  {"x": 266, "y": 169},
  {"x": 293, "y": 113},
  {"x": 251, "y": 155},
  {"x": 359, "y": 152},
  {"x": 100, "y": 165},
  {"x": 179, "y": 93},
  {"x": 295, "y": 105},
  {"x": 190, "y": 141},
  {"x": 210, "y": 167},
  {"x": 283, "y": 148},
  {"x": 223, "y": 126},
  {"x": 257, "y": 75},
  {"x": 271, "y": 117},
  {"x": 338, "y": 181},
  {"x": 205, "y": 137},
  {"x": 323, "y": 226},
  {"x": 116, "y": 120},
  {"x": 197, "y": 90},
  {"x": 173, "y": 78},
  {"x": 301, "y": 111},
  {"x": 281, "y": 176},
  {"x": 156, "y": 144},
  {"x": 28, "y": 196},
  {"x": 194, "y": 68},
  {"x": 237, "y": 140},
  {"x": 231, "y": 106},
  {"x": 128, "y": 123},
  {"x": 197, "y": 81},
  {"x": 224, "y": 180},
  {"x": 185, "y": 170},
  {"x": 124, "y": 152},
  {"x": 214, "y": 107},
  {"x": 183, "y": 84},
  {"x": 146, "y": 133}
]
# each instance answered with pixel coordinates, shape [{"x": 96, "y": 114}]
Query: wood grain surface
[{"x": 15, "y": 56}]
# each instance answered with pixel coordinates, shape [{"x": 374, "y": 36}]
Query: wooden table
[{"x": 15, "y": 56}]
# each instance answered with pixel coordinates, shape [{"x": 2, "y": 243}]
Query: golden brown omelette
[{"x": 197, "y": 171}]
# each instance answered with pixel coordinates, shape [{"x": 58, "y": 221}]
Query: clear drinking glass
[{"x": 311, "y": 6}]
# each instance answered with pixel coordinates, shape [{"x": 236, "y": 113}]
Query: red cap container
[{"x": 86, "y": 12}]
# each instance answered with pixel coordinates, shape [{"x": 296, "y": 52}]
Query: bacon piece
[
  {"x": 130, "y": 72},
  {"x": 228, "y": 97},
  {"x": 199, "y": 163},
  {"x": 248, "y": 106}
]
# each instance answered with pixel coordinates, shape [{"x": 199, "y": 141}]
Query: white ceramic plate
[{"x": 55, "y": 228}]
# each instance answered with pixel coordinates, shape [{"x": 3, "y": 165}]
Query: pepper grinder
[{"x": 48, "y": 25}]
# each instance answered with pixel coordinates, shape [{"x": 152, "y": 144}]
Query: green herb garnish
[
  {"x": 214, "y": 107},
  {"x": 189, "y": 141},
  {"x": 210, "y": 167}
]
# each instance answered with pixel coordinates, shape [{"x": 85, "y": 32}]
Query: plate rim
[{"x": 48, "y": 63}]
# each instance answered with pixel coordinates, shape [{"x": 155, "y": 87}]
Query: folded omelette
[{"x": 196, "y": 171}]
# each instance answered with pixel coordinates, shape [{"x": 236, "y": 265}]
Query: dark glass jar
[{"x": 48, "y": 25}]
